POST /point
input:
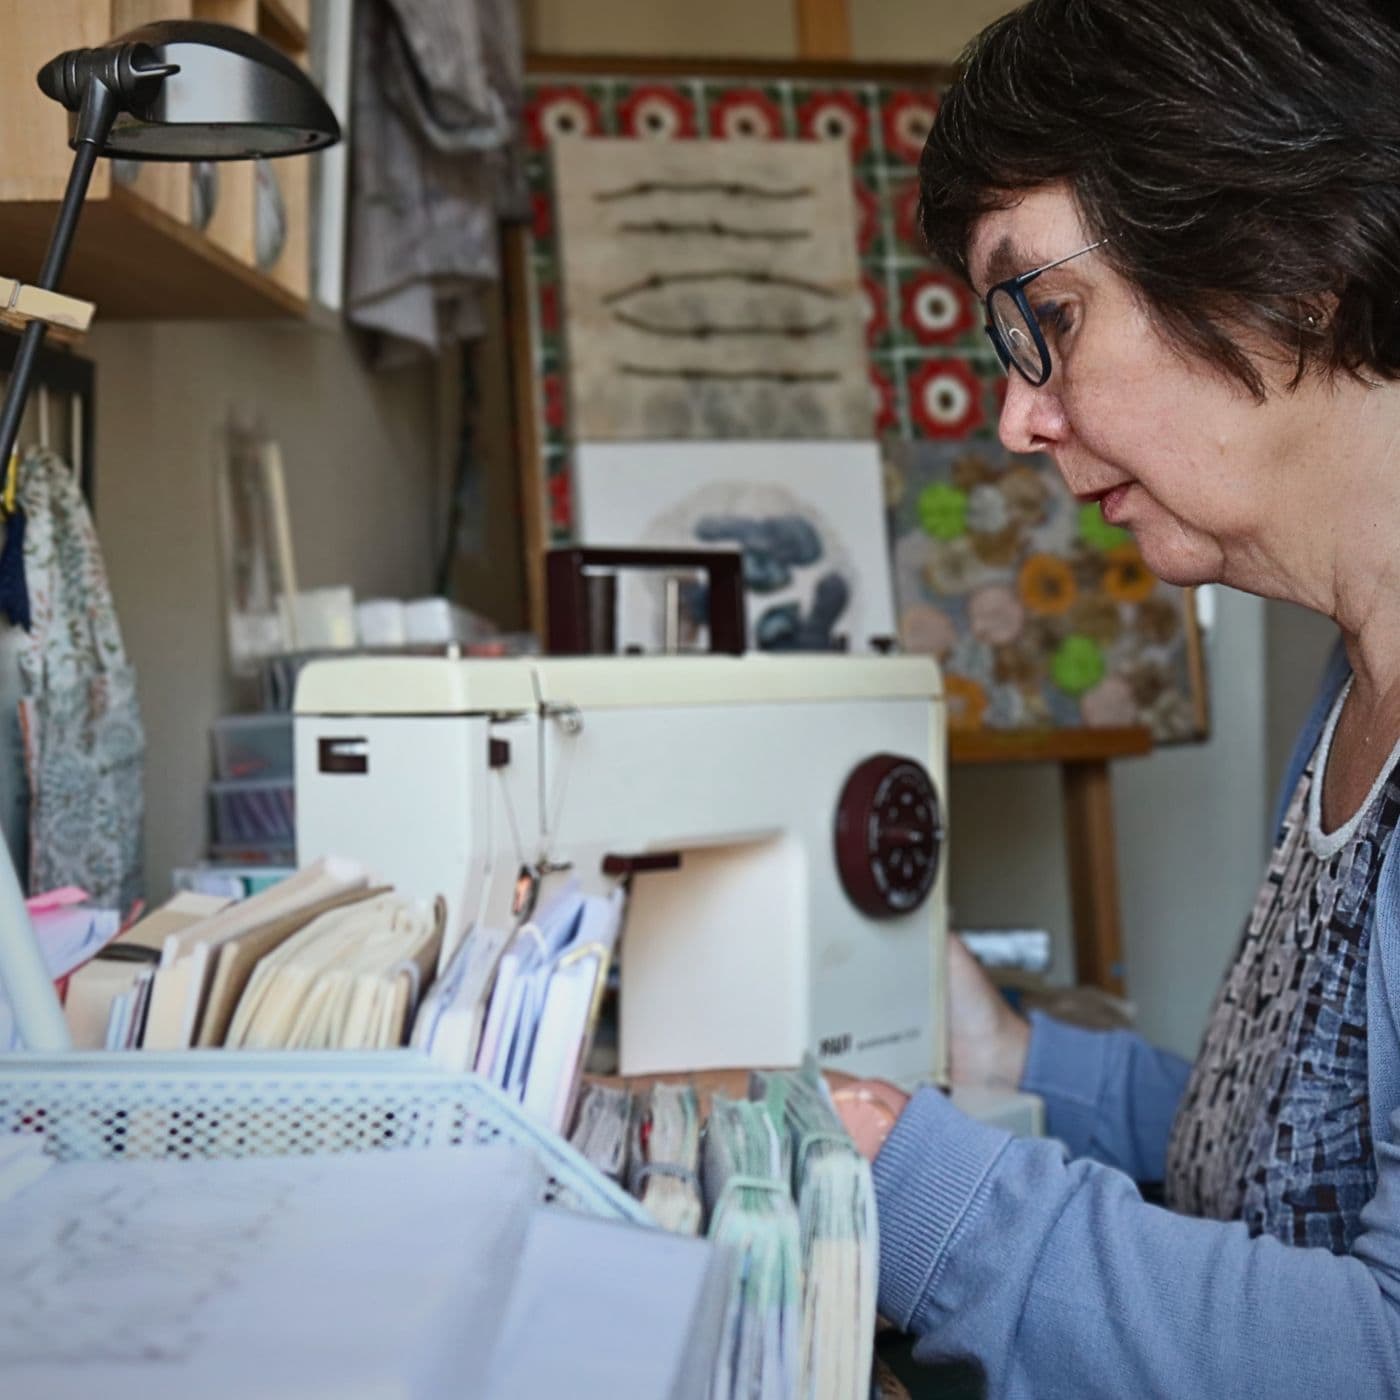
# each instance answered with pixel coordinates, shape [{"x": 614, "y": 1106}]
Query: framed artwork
[
  {"x": 1041, "y": 614},
  {"x": 711, "y": 291},
  {"x": 934, "y": 392},
  {"x": 806, "y": 516}
]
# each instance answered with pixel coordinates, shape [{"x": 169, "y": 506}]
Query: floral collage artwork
[{"x": 1039, "y": 613}]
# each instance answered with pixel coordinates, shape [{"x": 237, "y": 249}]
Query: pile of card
[{"x": 835, "y": 1197}]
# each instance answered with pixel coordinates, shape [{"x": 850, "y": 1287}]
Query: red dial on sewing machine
[{"x": 889, "y": 835}]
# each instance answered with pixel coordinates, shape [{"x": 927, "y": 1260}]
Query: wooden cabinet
[{"x": 137, "y": 252}]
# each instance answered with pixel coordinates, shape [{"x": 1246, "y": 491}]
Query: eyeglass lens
[{"x": 1011, "y": 328}]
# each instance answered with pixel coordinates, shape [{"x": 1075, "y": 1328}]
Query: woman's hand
[
  {"x": 868, "y": 1108},
  {"x": 987, "y": 1040}
]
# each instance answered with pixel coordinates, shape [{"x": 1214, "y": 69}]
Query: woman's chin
[{"x": 1176, "y": 561}]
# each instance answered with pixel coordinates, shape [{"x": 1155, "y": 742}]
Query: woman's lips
[
  {"x": 1109, "y": 500},
  {"x": 1111, "y": 503}
]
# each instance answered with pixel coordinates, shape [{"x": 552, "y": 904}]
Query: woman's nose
[{"x": 1032, "y": 420}]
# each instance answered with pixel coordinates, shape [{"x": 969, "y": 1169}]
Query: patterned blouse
[{"x": 1274, "y": 1127}]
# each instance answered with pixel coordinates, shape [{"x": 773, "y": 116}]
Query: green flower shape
[
  {"x": 943, "y": 511},
  {"x": 1095, "y": 531},
  {"x": 1077, "y": 665}
]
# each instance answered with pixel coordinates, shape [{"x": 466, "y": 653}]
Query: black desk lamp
[{"x": 176, "y": 90}]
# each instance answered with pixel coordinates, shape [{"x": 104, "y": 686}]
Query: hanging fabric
[
  {"x": 81, "y": 727},
  {"x": 14, "y": 594},
  {"x": 437, "y": 162}
]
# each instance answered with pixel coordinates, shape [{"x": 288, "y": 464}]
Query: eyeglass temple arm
[{"x": 1068, "y": 257}]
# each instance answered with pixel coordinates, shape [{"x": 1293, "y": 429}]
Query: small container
[
  {"x": 253, "y": 746},
  {"x": 253, "y": 812}
]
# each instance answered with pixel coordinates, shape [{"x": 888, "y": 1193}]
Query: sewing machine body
[{"x": 447, "y": 776}]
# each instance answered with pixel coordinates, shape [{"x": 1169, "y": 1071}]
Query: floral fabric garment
[
  {"x": 83, "y": 741},
  {"x": 1274, "y": 1127}
]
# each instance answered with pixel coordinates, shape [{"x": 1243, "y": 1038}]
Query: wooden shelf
[
  {"x": 136, "y": 254},
  {"x": 1051, "y": 746},
  {"x": 137, "y": 262}
]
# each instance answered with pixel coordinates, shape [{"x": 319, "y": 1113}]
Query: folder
[
  {"x": 450, "y": 1021},
  {"x": 569, "y": 1014},
  {"x": 94, "y": 986}
]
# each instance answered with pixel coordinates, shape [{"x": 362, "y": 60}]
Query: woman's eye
[{"x": 1054, "y": 317}]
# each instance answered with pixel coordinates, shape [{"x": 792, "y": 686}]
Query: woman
[{"x": 1212, "y": 352}]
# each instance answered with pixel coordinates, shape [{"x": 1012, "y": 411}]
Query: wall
[
  {"x": 360, "y": 453},
  {"x": 1297, "y": 643},
  {"x": 900, "y": 31}
]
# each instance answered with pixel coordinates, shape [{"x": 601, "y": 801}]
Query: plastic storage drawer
[
  {"x": 253, "y": 812},
  {"x": 253, "y": 746}
]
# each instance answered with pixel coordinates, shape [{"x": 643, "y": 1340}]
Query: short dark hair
[{"x": 1243, "y": 157}]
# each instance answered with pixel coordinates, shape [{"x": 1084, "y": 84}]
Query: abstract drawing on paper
[
  {"x": 711, "y": 290},
  {"x": 805, "y": 516}
]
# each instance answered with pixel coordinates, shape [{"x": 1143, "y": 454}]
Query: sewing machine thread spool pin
[{"x": 569, "y": 718}]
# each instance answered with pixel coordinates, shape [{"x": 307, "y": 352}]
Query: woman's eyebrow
[{"x": 1007, "y": 260}]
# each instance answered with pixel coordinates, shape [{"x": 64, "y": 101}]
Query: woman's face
[{"x": 1181, "y": 455}]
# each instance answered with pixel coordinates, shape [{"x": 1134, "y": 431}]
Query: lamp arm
[{"x": 95, "y": 117}]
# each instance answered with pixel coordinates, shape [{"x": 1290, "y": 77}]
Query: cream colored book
[
  {"x": 349, "y": 980},
  {"x": 189, "y": 957},
  {"x": 238, "y": 958}
]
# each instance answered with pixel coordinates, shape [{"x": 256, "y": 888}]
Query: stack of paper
[
  {"x": 415, "y": 1274},
  {"x": 205, "y": 966},
  {"x": 666, "y": 1157},
  {"x": 840, "y": 1240},
  {"x": 544, "y": 1003},
  {"x": 605, "y": 1311},
  {"x": 752, "y": 1214},
  {"x": 601, "y": 1130},
  {"x": 362, "y": 1275},
  {"x": 349, "y": 980}
]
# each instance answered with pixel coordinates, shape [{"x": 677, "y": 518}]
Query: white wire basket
[{"x": 221, "y": 1103}]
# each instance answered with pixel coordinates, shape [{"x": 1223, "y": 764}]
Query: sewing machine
[{"x": 780, "y": 820}]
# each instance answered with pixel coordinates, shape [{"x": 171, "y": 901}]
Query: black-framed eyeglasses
[{"x": 1013, "y": 326}]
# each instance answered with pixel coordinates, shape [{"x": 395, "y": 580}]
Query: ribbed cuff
[
  {"x": 1065, "y": 1066},
  {"x": 926, "y": 1178}
]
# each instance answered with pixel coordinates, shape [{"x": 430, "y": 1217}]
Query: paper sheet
[{"x": 362, "y": 1275}]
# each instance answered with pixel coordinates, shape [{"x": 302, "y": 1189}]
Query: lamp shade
[{"x": 216, "y": 93}]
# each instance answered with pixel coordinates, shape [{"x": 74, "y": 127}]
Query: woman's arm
[
  {"x": 1108, "y": 1094},
  {"x": 1062, "y": 1281}
]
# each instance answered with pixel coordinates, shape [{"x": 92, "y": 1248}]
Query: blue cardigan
[{"x": 1048, "y": 1267}]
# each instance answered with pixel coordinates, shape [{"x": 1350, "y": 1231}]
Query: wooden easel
[{"x": 1090, "y": 845}]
